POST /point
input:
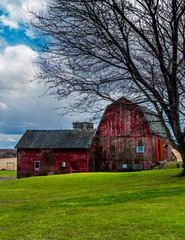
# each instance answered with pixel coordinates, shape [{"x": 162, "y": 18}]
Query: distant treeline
[{"x": 8, "y": 153}]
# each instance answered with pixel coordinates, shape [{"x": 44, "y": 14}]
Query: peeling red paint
[
  {"x": 124, "y": 128},
  {"x": 76, "y": 161}
]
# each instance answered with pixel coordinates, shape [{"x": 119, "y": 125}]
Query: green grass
[
  {"x": 5, "y": 173},
  {"x": 170, "y": 165},
  {"x": 139, "y": 205}
]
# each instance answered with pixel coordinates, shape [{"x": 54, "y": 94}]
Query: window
[
  {"x": 165, "y": 146},
  {"x": 137, "y": 166},
  {"x": 124, "y": 165},
  {"x": 113, "y": 149},
  {"x": 63, "y": 165},
  {"x": 37, "y": 165},
  {"x": 140, "y": 149},
  {"x": 100, "y": 149}
]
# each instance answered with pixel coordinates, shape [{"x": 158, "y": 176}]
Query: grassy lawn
[
  {"x": 170, "y": 165},
  {"x": 139, "y": 205},
  {"x": 6, "y": 173}
]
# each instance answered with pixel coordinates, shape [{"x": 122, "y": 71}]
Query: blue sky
[{"x": 21, "y": 106}]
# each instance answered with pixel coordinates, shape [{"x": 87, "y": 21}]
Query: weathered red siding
[
  {"x": 76, "y": 161},
  {"x": 120, "y": 121},
  {"x": 93, "y": 157},
  {"x": 122, "y": 129},
  {"x": 25, "y": 161}
]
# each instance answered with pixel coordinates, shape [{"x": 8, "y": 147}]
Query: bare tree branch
[{"x": 97, "y": 51}]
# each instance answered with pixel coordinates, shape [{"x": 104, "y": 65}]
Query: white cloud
[
  {"x": 17, "y": 94},
  {"x": 10, "y": 137},
  {"x": 20, "y": 97},
  {"x": 20, "y": 105},
  {"x": 17, "y": 11},
  {"x": 31, "y": 33},
  {"x": 11, "y": 140},
  {"x": 3, "y": 42},
  {"x": 3, "y": 106},
  {"x": 7, "y": 22},
  {"x": 16, "y": 63}
]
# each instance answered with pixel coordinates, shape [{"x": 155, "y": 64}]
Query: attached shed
[{"x": 41, "y": 152}]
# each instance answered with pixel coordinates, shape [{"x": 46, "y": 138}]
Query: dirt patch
[
  {"x": 7, "y": 178},
  {"x": 8, "y": 163}
]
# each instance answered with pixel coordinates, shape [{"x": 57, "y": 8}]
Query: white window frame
[
  {"x": 37, "y": 168},
  {"x": 63, "y": 166},
  {"x": 124, "y": 165},
  {"x": 140, "y": 149}
]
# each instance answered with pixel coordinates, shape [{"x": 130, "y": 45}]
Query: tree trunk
[
  {"x": 182, "y": 152},
  {"x": 182, "y": 174}
]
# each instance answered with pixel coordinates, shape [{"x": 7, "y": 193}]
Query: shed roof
[{"x": 56, "y": 139}]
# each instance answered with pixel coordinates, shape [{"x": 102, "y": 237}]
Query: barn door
[
  {"x": 74, "y": 168},
  {"x": 159, "y": 150}
]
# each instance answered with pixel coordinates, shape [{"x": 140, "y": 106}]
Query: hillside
[
  {"x": 137, "y": 205},
  {"x": 8, "y": 153}
]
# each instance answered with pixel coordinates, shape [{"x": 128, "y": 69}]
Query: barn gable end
[{"x": 130, "y": 138}]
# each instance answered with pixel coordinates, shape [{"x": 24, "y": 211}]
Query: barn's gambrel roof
[
  {"x": 150, "y": 116},
  {"x": 56, "y": 139}
]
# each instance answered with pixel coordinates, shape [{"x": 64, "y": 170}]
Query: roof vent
[{"x": 83, "y": 126}]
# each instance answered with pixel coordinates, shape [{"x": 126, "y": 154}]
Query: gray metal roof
[
  {"x": 56, "y": 139},
  {"x": 154, "y": 122}
]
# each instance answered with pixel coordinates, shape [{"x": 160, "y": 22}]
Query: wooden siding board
[{"x": 27, "y": 157}]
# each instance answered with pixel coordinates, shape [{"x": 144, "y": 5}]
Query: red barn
[{"x": 128, "y": 138}]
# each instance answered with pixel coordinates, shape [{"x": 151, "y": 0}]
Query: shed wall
[{"x": 51, "y": 161}]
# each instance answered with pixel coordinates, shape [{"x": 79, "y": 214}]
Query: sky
[{"x": 22, "y": 103}]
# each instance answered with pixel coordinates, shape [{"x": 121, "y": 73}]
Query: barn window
[
  {"x": 100, "y": 149},
  {"x": 137, "y": 166},
  {"x": 140, "y": 149},
  {"x": 63, "y": 166},
  {"x": 165, "y": 146},
  {"x": 113, "y": 149},
  {"x": 37, "y": 165},
  {"x": 124, "y": 165}
]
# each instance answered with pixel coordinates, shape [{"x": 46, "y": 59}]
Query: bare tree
[{"x": 95, "y": 50}]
